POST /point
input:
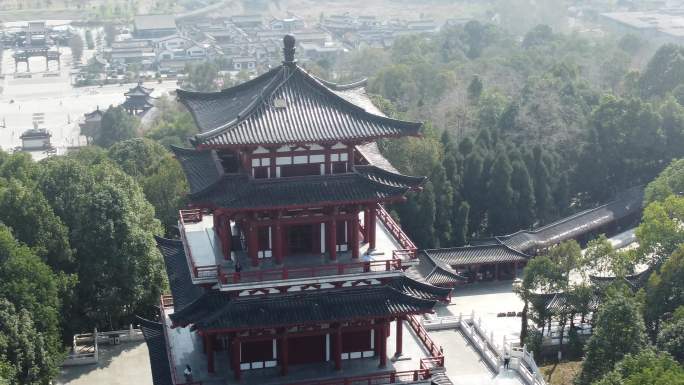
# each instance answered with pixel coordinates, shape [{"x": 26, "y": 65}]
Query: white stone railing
[
  {"x": 522, "y": 361},
  {"x": 93, "y": 340}
]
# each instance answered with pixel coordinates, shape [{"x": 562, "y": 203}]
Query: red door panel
[{"x": 306, "y": 350}]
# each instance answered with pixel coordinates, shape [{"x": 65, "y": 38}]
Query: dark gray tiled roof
[
  {"x": 628, "y": 203},
  {"x": 218, "y": 310},
  {"x": 239, "y": 191},
  {"x": 557, "y": 301},
  {"x": 371, "y": 152},
  {"x": 469, "y": 255},
  {"x": 419, "y": 289},
  {"x": 183, "y": 291},
  {"x": 635, "y": 281},
  {"x": 157, "y": 349},
  {"x": 200, "y": 166},
  {"x": 389, "y": 178},
  {"x": 139, "y": 90},
  {"x": 311, "y": 112},
  {"x": 137, "y": 103},
  {"x": 434, "y": 272}
]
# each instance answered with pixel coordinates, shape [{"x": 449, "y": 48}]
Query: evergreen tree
[
  {"x": 475, "y": 89},
  {"x": 418, "y": 217},
  {"x": 471, "y": 190},
  {"x": 444, "y": 200},
  {"x": 460, "y": 225},
  {"x": 522, "y": 185},
  {"x": 501, "y": 211},
  {"x": 542, "y": 188}
]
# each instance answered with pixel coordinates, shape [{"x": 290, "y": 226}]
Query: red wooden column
[
  {"x": 331, "y": 228},
  {"x": 284, "y": 356},
  {"x": 371, "y": 229},
  {"x": 235, "y": 358},
  {"x": 366, "y": 214},
  {"x": 209, "y": 346},
  {"x": 337, "y": 351},
  {"x": 400, "y": 332},
  {"x": 354, "y": 240},
  {"x": 382, "y": 339},
  {"x": 227, "y": 237},
  {"x": 277, "y": 243},
  {"x": 252, "y": 243}
]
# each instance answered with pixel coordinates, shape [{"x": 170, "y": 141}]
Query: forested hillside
[{"x": 521, "y": 131}]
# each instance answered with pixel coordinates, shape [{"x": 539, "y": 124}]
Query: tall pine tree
[
  {"x": 500, "y": 196},
  {"x": 524, "y": 194}
]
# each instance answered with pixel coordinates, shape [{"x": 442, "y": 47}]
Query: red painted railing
[
  {"x": 375, "y": 379},
  {"x": 406, "y": 243},
  {"x": 436, "y": 351},
  {"x": 169, "y": 351},
  {"x": 198, "y": 271},
  {"x": 308, "y": 272}
]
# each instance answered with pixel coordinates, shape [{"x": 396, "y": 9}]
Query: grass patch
[{"x": 562, "y": 373}]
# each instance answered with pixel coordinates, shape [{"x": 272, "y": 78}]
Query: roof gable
[{"x": 289, "y": 105}]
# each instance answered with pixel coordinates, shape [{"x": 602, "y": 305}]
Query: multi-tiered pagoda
[
  {"x": 138, "y": 100},
  {"x": 286, "y": 257}
]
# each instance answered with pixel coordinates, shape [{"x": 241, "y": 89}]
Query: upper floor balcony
[{"x": 294, "y": 251}]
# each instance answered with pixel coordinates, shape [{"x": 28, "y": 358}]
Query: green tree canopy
[
  {"x": 33, "y": 222},
  {"x": 645, "y": 367},
  {"x": 157, "y": 172},
  {"x": 671, "y": 336},
  {"x": 30, "y": 338},
  {"x": 664, "y": 71},
  {"x": 111, "y": 225},
  {"x": 116, "y": 125},
  {"x": 618, "y": 330}
]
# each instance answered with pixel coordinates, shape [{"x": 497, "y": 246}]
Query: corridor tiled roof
[
  {"x": 470, "y": 255},
  {"x": 157, "y": 349},
  {"x": 635, "y": 281},
  {"x": 286, "y": 105},
  {"x": 183, "y": 291},
  {"x": 239, "y": 191},
  {"x": 201, "y": 167},
  {"x": 628, "y": 203},
  {"x": 217, "y": 310}
]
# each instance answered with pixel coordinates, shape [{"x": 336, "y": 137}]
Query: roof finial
[{"x": 289, "y": 50}]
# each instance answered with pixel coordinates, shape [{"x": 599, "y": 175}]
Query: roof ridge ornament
[{"x": 289, "y": 50}]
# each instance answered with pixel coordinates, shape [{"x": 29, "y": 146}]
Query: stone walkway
[{"x": 124, "y": 364}]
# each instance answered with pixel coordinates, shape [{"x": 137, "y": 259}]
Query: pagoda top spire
[{"x": 289, "y": 50}]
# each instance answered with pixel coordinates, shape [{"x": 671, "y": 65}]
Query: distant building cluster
[
  {"x": 369, "y": 31},
  {"x": 664, "y": 25},
  {"x": 249, "y": 43}
]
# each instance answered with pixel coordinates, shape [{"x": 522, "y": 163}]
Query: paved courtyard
[
  {"x": 61, "y": 104},
  {"x": 124, "y": 364}
]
